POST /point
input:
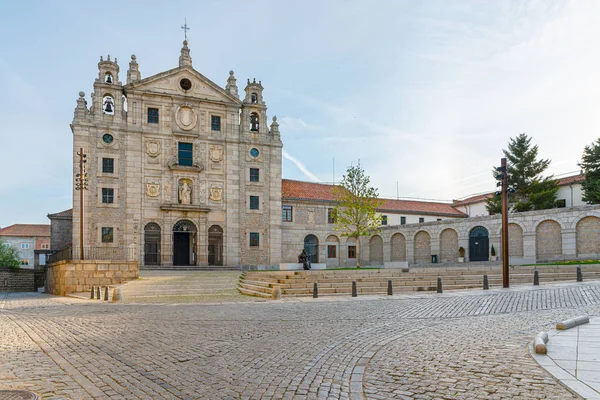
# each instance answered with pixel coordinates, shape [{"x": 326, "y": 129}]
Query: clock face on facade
[
  {"x": 107, "y": 138},
  {"x": 254, "y": 152}
]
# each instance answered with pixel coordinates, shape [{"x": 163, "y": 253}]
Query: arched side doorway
[
  {"x": 311, "y": 245},
  {"x": 479, "y": 244},
  {"x": 152, "y": 244},
  {"x": 184, "y": 243},
  {"x": 215, "y": 245}
]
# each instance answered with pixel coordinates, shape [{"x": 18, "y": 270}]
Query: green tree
[
  {"x": 9, "y": 257},
  {"x": 356, "y": 210},
  {"x": 590, "y": 163},
  {"x": 532, "y": 191}
]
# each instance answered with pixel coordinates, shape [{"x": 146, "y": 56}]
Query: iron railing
[{"x": 93, "y": 253}]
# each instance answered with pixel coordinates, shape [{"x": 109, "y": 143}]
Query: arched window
[
  {"x": 254, "y": 122},
  {"x": 253, "y": 98},
  {"x": 108, "y": 78},
  {"x": 108, "y": 105},
  {"x": 311, "y": 245}
]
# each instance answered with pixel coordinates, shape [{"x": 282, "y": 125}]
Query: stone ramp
[
  {"x": 184, "y": 287},
  {"x": 375, "y": 281}
]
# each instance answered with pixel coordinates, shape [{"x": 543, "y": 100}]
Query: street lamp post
[{"x": 81, "y": 184}]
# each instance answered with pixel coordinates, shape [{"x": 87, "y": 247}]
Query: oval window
[
  {"x": 254, "y": 152},
  {"x": 185, "y": 84},
  {"x": 107, "y": 138}
]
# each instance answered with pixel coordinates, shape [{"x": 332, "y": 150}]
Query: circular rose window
[
  {"x": 107, "y": 138},
  {"x": 185, "y": 84},
  {"x": 254, "y": 152}
]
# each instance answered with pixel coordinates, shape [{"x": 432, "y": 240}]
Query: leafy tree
[
  {"x": 590, "y": 162},
  {"x": 9, "y": 257},
  {"x": 531, "y": 190},
  {"x": 356, "y": 210}
]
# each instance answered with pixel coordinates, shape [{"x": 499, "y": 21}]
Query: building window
[
  {"x": 254, "y": 239},
  {"x": 439, "y": 219},
  {"x": 421, "y": 220},
  {"x": 562, "y": 203},
  {"x": 330, "y": 216},
  {"x": 331, "y": 251},
  {"x": 24, "y": 246},
  {"x": 24, "y": 262},
  {"x": 215, "y": 123},
  {"x": 108, "y": 195},
  {"x": 402, "y": 220},
  {"x": 287, "y": 213},
  {"x": 153, "y": 115},
  {"x": 384, "y": 220},
  {"x": 351, "y": 251},
  {"x": 108, "y": 165},
  {"x": 254, "y": 202},
  {"x": 254, "y": 175},
  {"x": 185, "y": 154},
  {"x": 107, "y": 235},
  {"x": 45, "y": 246}
]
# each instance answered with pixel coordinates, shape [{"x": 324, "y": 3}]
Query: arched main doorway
[
  {"x": 215, "y": 245},
  {"x": 311, "y": 245},
  {"x": 152, "y": 244},
  {"x": 479, "y": 244},
  {"x": 184, "y": 243}
]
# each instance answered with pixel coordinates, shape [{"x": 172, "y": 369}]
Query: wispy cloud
[{"x": 300, "y": 166}]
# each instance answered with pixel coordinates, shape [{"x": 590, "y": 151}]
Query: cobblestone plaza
[{"x": 470, "y": 344}]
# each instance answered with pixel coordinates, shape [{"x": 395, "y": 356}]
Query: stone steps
[
  {"x": 188, "y": 268},
  {"x": 339, "y": 282}
]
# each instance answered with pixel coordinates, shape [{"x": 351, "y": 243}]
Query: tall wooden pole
[
  {"x": 81, "y": 178},
  {"x": 505, "y": 271}
]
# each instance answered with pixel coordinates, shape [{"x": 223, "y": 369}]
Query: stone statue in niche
[{"x": 185, "y": 193}]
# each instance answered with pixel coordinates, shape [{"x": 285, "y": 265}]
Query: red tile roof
[
  {"x": 26, "y": 230},
  {"x": 298, "y": 190},
  {"x": 63, "y": 214},
  {"x": 567, "y": 180},
  {"x": 471, "y": 200}
]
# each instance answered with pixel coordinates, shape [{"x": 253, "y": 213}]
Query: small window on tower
[
  {"x": 254, "y": 200},
  {"x": 254, "y": 98},
  {"x": 107, "y": 235},
  {"x": 254, "y": 239},
  {"x": 108, "y": 78},
  {"x": 254, "y": 122},
  {"x": 254, "y": 174},
  {"x": 153, "y": 115},
  {"x": 108, "y": 165},
  {"x": 108, "y": 195}
]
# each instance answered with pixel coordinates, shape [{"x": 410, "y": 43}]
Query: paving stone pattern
[{"x": 426, "y": 346}]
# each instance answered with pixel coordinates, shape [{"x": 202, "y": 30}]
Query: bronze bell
[
  {"x": 109, "y": 79},
  {"x": 108, "y": 108}
]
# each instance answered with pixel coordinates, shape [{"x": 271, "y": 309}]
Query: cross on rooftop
[{"x": 185, "y": 28}]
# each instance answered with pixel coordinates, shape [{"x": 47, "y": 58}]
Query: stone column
[{"x": 410, "y": 251}]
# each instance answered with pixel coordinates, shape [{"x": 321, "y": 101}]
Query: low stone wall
[
  {"x": 64, "y": 277},
  {"x": 16, "y": 280}
]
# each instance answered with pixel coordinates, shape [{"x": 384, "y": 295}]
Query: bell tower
[
  {"x": 108, "y": 91},
  {"x": 254, "y": 109}
]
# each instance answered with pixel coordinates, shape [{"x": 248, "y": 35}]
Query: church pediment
[{"x": 184, "y": 81}]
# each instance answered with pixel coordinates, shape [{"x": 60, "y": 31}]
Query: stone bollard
[
  {"x": 315, "y": 290},
  {"x": 390, "y": 289},
  {"x": 573, "y": 322},
  {"x": 439, "y": 285},
  {"x": 354, "y": 291},
  {"x": 92, "y": 294},
  {"x": 536, "y": 278},
  {"x": 98, "y": 296},
  {"x": 106, "y": 293},
  {"x": 117, "y": 295},
  {"x": 276, "y": 294},
  {"x": 540, "y": 343},
  {"x": 579, "y": 274},
  {"x": 486, "y": 283}
]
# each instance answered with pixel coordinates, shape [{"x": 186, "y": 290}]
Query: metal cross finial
[{"x": 185, "y": 28}]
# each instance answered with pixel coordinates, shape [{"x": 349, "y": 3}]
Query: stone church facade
[
  {"x": 183, "y": 172},
  {"x": 180, "y": 171}
]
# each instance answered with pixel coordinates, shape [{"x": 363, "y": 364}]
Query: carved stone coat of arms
[
  {"x": 216, "y": 153},
  {"x": 152, "y": 189},
  {"x": 186, "y": 118},
  {"x": 216, "y": 193},
  {"x": 152, "y": 147}
]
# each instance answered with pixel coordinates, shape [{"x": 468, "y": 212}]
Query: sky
[{"x": 424, "y": 94}]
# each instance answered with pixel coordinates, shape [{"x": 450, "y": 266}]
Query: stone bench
[{"x": 298, "y": 267}]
